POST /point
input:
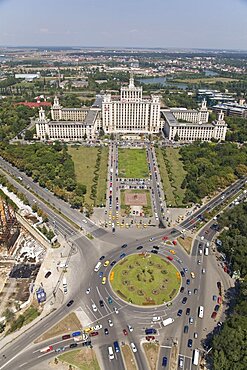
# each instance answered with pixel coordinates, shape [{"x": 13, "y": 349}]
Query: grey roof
[
  {"x": 91, "y": 116},
  {"x": 98, "y": 101},
  {"x": 59, "y": 123}
]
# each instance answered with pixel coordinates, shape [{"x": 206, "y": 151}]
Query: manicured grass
[
  {"x": 172, "y": 174},
  {"x": 84, "y": 359},
  {"x": 145, "y": 280},
  {"x": 132, "y": 163},
  {"x": 84, "y": 159},
  {"x": 67, "y": 325},
  {"x": 206, "y": 80},
  {"x": 148, "y": 208}
]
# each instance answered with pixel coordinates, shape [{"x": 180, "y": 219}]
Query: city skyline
[{"x": 133, "y": 23}]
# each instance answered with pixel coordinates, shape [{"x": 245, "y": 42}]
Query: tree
[{"x": 28, "y": 135}]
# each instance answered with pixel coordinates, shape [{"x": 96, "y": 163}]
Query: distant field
[
  {"x": 84, "y": 159},
  {"x": 172, "y": 174},
  {"x": 132, "y": 163},
  {"x": 206, "y": 80}
]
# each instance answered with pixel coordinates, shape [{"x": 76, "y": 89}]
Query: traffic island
[
  {"x": 128, "y": 358},
  {"x": 145, "y": 279},
  {"x": 152, "y": 354},
  {"x": 80, "y": 359}
]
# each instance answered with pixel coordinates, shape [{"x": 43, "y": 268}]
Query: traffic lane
[
  {"x": 116, "y": 363},
  {"x": 164, "y": 352}
]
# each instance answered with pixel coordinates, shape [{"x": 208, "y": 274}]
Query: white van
[
  {"x": 98, "y": 266},
  {"x": 110, "y": 353},
  {"x": 206, "y": 251}
]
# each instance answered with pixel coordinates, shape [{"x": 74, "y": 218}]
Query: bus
[
  {"x": 200, "y": 312},
  {"x": 196, "y": 355}
]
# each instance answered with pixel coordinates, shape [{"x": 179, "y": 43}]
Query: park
[{"x": 145, "y": 279}]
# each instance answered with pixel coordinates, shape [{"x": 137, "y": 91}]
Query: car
[
  {"x": 122, "y": 256},
  {"x": 101, "y": 274},
  {"x": 195, "y": 291},
  {"x": 202, "y": 237},
  {"x": 94, "y": 307},
  {"x": 184, "y": 300},
  {"x": 94, "y": 333},
  {"x": 182, "y": 273},
  {"x": 70, "y": 303},
  {"x": 156, "y": 247},
  {"x": 154, "y": 251},
  {"x": 103, "y": 280},
  {"x": 102, "y": 258},
  {"x": 219, "y": 300},
  {"x": 165, "y": 237},
  {"x": 195, "y": 335},
  {"x": 187, "y": 311},
  {"x": 189, "y": 292},
  {"x": 203, "y": 271},
  {"x": 214, "y": 297},
  {"x": 88, "y": 291},
  {"x": 101, "y": 303},
  {"x": 156, "y": 318},
  {"x": 188, "y": 281},
  {"x": 47, "y": 274},
  {"x": 139, "y": 247},
  {"x": 106, "y": 331},
  {"x": 151, "y": 239},
  {"x": 116, "y": 310},
  {"x": 191, "y": 320},
  {"x": 110, "y": 300},
  {"x": 186, "y": 329},
  {"x": 97, "y": 327},
  {"x": 185, "y": 269},
  {"x": 150, "y": 331},
  {"x": 73, "y": 345},
  {"x": 113, "y": 263},
  {"x": 124, "y": 246},
  {"x": 180, "y": 312},
  {"x": 181, "y": 289},
  {"x": 130, "y": 328},
  {"x": 181, "y": 362},
  {"x": 125, "y": 332},
  {"x": 106, "y": 263},
  {"x": 169, "y": 258},
  {"x": 164, "y": 361},
  {"x": 172, "y": 251},
  {"x": 133, "y": 347},
  {"x": 190, "y": 342},
  {"x": 66, "y": 336},
  {"x": 214, "y": 314},
  {"x": 60, "y": 349},
  {"x": 192, "y": 274},
  {"x": 174, "y": 242},
  {"x": 110, "y": 323},
  {"x": 150, "y": 337}
]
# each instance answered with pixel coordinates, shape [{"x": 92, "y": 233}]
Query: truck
[
  {"x": 196, "y": 355},
  {"x": 168, "y": 321},
  {"x": 65, "y": 286},
  {"x": 46, "y": 349},
  {"x": 206, "y": 251},
  {"x": 79, "y": 338}
]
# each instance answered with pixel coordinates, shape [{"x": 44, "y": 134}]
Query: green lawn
[
  {"x": 146, "y": 280},
  {"x": 84, "y": 159},
  {"x": 132, "y": 163},
  {"x": 172, "y": 174}
]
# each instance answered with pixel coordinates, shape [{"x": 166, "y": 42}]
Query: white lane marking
[
  {"x": 22, "y": 364},
  {"x": 9, "y": 361}
]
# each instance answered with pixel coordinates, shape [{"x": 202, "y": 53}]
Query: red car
[
  {"x": 150, "y": 337},
  {"x": 169, "y": 258},
  {"x": 165, "y": 237},
  {"x": 125, "y": 332},
  {"x": 219, "y": 300},
  {"x": 94, "y": 333},
  {"x": 214, "y": 314},
  {"x": 174, "y": 242},
  {"x": 66, "y": 336}
]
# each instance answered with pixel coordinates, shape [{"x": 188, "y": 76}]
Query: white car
[
  {"x": 133, "y": 347},
  {"x": 116, "y": 310},
  {"x": 130, "y": 328},
  {"x": 97, "y": 327},
  {"x": 202, "y": 237},
  {"x": 110, "y": 323},
  {"x": 156, "y": 318},
  {"x": 88, "y": 291},
  {"x": 94, "y": 307}
]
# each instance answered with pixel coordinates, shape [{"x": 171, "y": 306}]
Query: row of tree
[
  {"x": 229, "y": 346},
  {"x": 211, "y": 167}
]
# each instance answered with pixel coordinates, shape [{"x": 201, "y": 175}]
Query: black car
[
  {"x": 140, "y": 247},
  {"x": 101, "y": 303},
  {"x": 87, "y": 344},
  {"x": 181, "y": 289},
  {"x": 154, "y": 251},
  {"x": 187, "y": 311},
  {"x": 190, "y": 342},
  {"x": 150, "y": 331},
  {"x": 106, "y": 331},
  {"x": 113, "y": 263},
  {"x": 216, "y": 308},
  {"x": 70, "y": 303},
  {"x": 101, "y": 258},
  {"x": 188, "y": 281},
  {"x": 180, "y": 312},
  {"x": 173, "y": 231},
  {"x": 73, "y": 345},
  {"x": 124, "y": 245},
  {"x": 186, "y": 329},
  {"x": 156, "y": 247},
  {"x": 182, "y": 273},
  {"x": 48, "y": 274},
  {"x": 184, "y": 300}
]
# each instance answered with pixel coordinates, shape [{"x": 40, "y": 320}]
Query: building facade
[
  {"x": 131, "y": 113},
  {"x": 192, "y": 115}
]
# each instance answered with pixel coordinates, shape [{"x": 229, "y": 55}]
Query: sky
[{"x": 216, "y": 24}]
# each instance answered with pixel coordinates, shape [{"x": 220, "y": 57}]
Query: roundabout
[{"x": 145, "y": 279}]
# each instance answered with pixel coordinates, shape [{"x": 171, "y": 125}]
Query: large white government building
[{"x": 129, "y": 113}]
